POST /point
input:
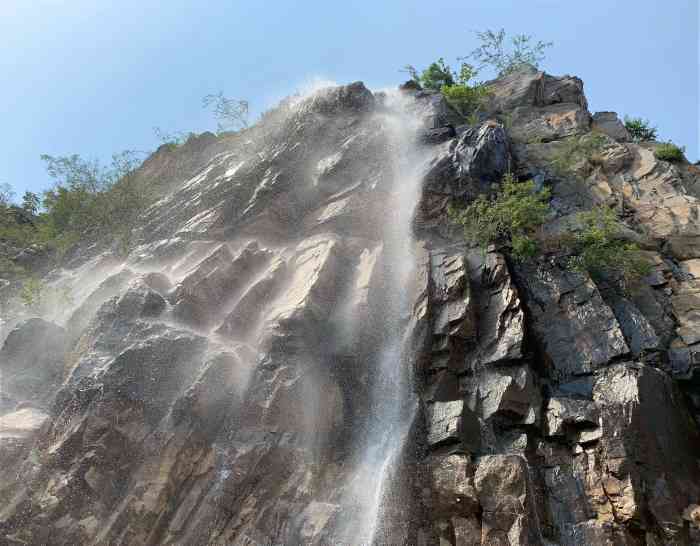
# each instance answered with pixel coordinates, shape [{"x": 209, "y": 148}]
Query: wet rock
[
  {"x": 249, "y": 310},
  {"x": 500, "y": 317},
  {"x": 454, "y": 313},
  {"x": 438, "y": 135},
  {"x": 577, "y": 331},
  {"x": 469, "y": 165},
  {"x": 329, "y": 101},
  {"x": 452, "y": 485},
  {"x": 31, "y": 363},
  {"x": 198, "y": 298},
  {"x": 107, "y": 289},
  {"x": 452, "y": 422},
  {"x": 639, "y": 333},
  {"x": 509, "y": 393},
  {"x": 565, "y": 415},
  {"x": 505, "y": 493}
]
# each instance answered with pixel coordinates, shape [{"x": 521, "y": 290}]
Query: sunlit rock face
[{"x": 302, "y": 349}]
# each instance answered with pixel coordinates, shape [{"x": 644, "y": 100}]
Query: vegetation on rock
[
  {"x": 576, "y": 150},
  {"x": 504, "y": 55},
  {"x": 87, "y": 200},
  {"x": 231, "y": 114},
  {"x": 640, "y": 129},
  {"x": 517, "y": 210},
  {"x": 668, "y": 151},
  {"x": 459, "y": 89},
  {"x": 598, "y": 248},
  {"x": 512, "y": 215}
]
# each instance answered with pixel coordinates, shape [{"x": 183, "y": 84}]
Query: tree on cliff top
[{"x": 507, "y": 55}]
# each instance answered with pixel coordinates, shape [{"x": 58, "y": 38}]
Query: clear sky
[{"x": 95, "y": 76}]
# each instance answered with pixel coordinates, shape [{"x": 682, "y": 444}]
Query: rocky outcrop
[
  {"x": 283, "y": 359},
  {"x": 31, "y": 364}
]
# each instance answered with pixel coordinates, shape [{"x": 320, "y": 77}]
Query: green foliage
[
  {"x": 507, "y": 55},
  {"x": 598, "y": 247},
  {"x": 459, "y": 89},
  {"x": 171, "y": 141},
  {"x": 575, "y": 150},
  {"x": 669, "y": 152},
  {"x": 230, "y": 114},
  {"x": 89, "y": 200},
  {"x": 32, "y": 293},
  {"x": 31, "y": 202},
  {"x": 437, "y": 75},
  {"x": 513, "y": 214},
  {"x": 6, "y": 194},
  {"x": 640, "y": 129},
  {"x": 463, "y": 95}
]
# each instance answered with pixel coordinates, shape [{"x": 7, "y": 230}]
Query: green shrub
[
  {"x": 598, "y": 248},
  {"x": 640, "y": 129},
  {"x": 460, "y": 92},
  {"x": 574, "y": 150},
  {"x": 463, "y": 95},
  {"x": 669, "y": 152},
  {"x": 512, "y": 215},
  {"x": 437, "y": 75},
  {"x": 89, "y": 200}
]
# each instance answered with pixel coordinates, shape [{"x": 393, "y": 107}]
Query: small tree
[
  {"x": 171, "y": 140},
  {"x": 6, "y": 194},
  {"x": 231, "y": 114},
  {"x": 459, "y": 89},
  {"x": 31, "y": 202},
  {"x": 464, "y": 95},
  {"x": 512, "y": 215},
  {"x": 437, "y": 75},
  {"x": 507, "y": 55},
  {"x": 599, "y": 248},
  {"x": 640, "y": 129}
]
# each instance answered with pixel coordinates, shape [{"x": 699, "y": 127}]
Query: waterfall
[{"x": 392, "y": 401}]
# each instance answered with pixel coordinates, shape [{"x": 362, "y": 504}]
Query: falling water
[{"x": 392, "y": 401}]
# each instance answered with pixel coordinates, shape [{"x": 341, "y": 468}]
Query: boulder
[
  {"x": 528, "y": 87},
  {"x": 547, "y": 123},
  {"x": 31, "y": 363},
  {"x": 609, "y": 124}
]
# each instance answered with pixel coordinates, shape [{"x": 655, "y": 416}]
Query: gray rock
[
  {"x": 565, "y": 415},
  {"x": 577, "y": 331},
  {"x": 509, "y": 393},
  {"x": 608, "y": 123},
  {"x": 31, "y": 363},
  {"x": 506, "y": 496}
]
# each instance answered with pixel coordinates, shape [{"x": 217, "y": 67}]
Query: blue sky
[{"x": 95, "y": 76}]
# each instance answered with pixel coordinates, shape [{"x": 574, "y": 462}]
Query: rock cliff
[{"x": 302, "y": 349}]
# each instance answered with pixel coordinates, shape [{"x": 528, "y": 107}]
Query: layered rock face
[{"x": 303, "y": 350}]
